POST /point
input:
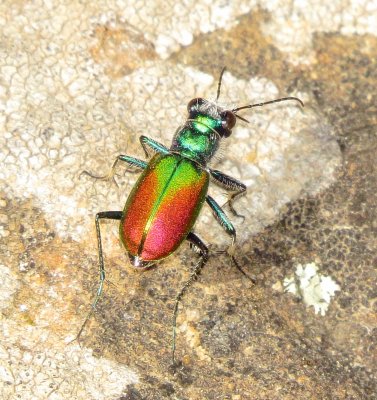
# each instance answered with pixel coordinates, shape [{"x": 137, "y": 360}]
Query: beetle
[{"x": 167, "y": 198}]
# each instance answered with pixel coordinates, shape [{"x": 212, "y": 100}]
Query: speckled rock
[{"x": 79, "y": 83}]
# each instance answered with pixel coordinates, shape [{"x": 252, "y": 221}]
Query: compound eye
[
  {"x": 229, "y": 119},
  {"x": 194, "y": 103}
]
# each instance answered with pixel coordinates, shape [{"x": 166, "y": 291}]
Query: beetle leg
[
  {"x": 117, "y": 215},
  {"x": 203, "y": 250},
  {"x": 155, "y": 146},
  {"x": 223, "y": 220},
  {"x": 134, "y": 162},
  {"x": 229, "y": 183}
]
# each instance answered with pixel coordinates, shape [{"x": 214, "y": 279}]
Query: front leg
[
  {"x": 229, "y": 183},
  {"x": 155, "y": 146},
  {"x": 132, "y": 161}
]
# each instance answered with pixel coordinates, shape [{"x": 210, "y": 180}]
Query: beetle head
[{"x": 211, "y": 116}]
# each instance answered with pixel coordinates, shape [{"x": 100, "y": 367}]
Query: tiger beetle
[{"x": 166, "y": 200}]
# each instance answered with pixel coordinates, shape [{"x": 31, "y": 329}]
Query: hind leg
[
  {"x": 114, "y": 215},
  {"x": 198, "y": 244}
]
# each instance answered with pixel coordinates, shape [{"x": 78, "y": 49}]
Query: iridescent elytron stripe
[{"x": 163, "y": 206}]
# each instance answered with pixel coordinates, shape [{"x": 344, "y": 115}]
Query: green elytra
[{"x": 193, "y": 146}]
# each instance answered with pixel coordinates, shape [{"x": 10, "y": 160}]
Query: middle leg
[
  {"x": 237, "y": 188},
  {"x": 229, "y": 229}
]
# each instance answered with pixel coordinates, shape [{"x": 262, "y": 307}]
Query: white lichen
[{"x": 315, "y": 289}]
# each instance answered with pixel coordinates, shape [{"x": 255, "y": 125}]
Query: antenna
[
  {"x": 268, "y": 102},
  {"x": 219, "y": 84}
]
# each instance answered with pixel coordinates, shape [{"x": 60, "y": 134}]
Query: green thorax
[{"x": 198, "y": 139}]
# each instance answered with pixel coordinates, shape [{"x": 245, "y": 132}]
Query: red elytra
[{"x": 162, "y": 207}]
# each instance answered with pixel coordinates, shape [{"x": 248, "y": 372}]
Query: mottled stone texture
[{"x": 78, "y": 84}]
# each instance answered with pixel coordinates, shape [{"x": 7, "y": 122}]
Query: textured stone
[{"x": 79, "y": 83}]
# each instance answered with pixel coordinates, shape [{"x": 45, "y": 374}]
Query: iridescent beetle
[{"x": 165, "y": 202}]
